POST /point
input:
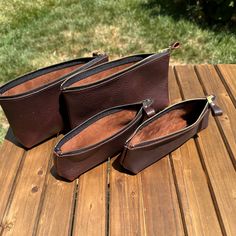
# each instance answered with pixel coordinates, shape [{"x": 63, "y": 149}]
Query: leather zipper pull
[
  {"x": 98, "y": 53},
  {"x": 150, "y": 111},
  {"x": 215, "y": 110},
  {"x": 174, "y": 46},
  {"x": 58, "y": 151},
  {"x": 171, "y": 47}
]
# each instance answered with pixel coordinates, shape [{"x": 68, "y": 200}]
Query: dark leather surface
[
  {"x": 147, "y": 80},
  {"x": 138, "y": 158},
  {"x": 37, "y": 115}
]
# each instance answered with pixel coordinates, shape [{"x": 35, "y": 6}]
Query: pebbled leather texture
[
  {"x": 98, "y": 138},
  {"x": 145, "y": 77},
  {"x": 164, "y": 132},
  {"x": 32, "y": 102}
]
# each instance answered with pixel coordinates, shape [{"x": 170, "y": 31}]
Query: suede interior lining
[
  {"x": 100, "y": 130},
  {"x": 40, "y": 81},
  {"x": 166, "y": 124},
  {"x": 101, "y": 75}
]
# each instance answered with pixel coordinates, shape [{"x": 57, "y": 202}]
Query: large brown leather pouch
[
  {"x": 166, "y": 131},
  {"x": 98, "y": 138},
  {"x": 124, "y": 81},
  {"x": 31, "y": 102}
]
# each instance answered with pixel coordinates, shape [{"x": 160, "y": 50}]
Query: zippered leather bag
[
  {"x": 98, "y": 138},
  {"x": 166, "y": 131},
  {"x": 119, "y": 82},
  {"x": 32, "y": 102}
]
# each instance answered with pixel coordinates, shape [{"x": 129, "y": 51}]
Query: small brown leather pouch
[
  {"x": 166, "y": 131},
  {"x": 32, "y": 102},
  {"x": 98, "y": 138},
  {"x": 123, "y": 81}
]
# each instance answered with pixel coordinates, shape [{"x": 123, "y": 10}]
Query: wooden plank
[
  {"x": 91, "y": 207},
  {"x": 215, "y": 158},
  {"x": 11, "y": 156},
  {"x": 126, "y": 215},
  {"x": 146, "y": 203},
  {"x": 196, "y": 202},
  {"x": 57, "y": 207},
  {"x": 213, "y": 85},
  {"x": 23, "y": 207},
  {"x": 162, "y": 213},
  {"x": 228, "y": 73}
]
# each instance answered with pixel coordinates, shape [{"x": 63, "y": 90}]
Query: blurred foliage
[{"x": 208, "y": 12}]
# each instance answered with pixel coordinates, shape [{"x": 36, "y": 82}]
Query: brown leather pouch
[
  {"x": 124, "y": 81},
  {"x": 166, "y": 131},
  {"x": 31, "y": 102},
  {"x": 98, "y": 138}
]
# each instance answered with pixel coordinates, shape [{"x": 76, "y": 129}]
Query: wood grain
[
  {"x": 23, "y": 207},
  {"x": 196, "y": 201},
  {"x": 190, "y": 192},
  {"x": 216, "y": 159},
  {"x": 91, "y": 207},
  {"x": 146, "y": 203},
  {"x": 161, "y": 208},
  {"x": 126, "y": 203},
  {"x": 10, "y": 159},
  {"x": 213, "y": 85},
  {"x": 57, "y": 206},
  {"x": 228, "y": 73}
]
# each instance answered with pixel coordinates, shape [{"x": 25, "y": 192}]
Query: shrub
[
  {"x": 202, "y": 11},
  {"x": 210, "y": 11}
]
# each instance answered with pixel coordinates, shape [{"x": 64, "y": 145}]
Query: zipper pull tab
[
  {"x": 58, "y": 151},
  {"x": 147, "y": 107},
  {"x": 98, "y": 53},
  {"x": 174, "y": 46},
  {"x": 216, "y": 111},
  {"x": 171, "y": 47}
]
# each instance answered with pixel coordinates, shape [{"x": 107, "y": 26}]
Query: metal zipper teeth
[
  {"x": 172, "y": 134},
  {"x": 85, "y": 125},
  {"x": 140, "y": 63},
  {"x": 34, "y": 91}
]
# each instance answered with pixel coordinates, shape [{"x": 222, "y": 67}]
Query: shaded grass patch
[{"x": 35, "y": 34}]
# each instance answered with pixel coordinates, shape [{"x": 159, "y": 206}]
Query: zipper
[
  {"x": 46, "y": 86},
  {"x": 163, "y": 52},
  {"x": 84, "y": 125},
  {"x": 163, "y": 111}
]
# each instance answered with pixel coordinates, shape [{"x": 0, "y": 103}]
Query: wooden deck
[{"x": 190, "y": 192}]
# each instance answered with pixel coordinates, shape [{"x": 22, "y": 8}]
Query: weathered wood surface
[{"x": 192, "y": 191}]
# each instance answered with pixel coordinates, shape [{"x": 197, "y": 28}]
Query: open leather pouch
[
  {"x": 166, "y": 131},
  {"x": 32, "y": 102},
  {"x": 123, "y": 81},
  {"x": 95, "y": 140}
]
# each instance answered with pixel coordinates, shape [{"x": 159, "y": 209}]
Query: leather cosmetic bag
[
  {"x": 31, "y": 102},
  {"x": 123, "y": 81},
  {"x": 98, "y": 138},
  {"x": 166, "y": 131}
]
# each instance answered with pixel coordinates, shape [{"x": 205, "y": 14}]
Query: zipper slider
[
  {"x": 171, "y": 47},
  {"x": 98, "y": 53},
  {"x": 216, "y": 111},
  {"x": 58, "y": 152},
  {"x": 174, "y": 46},
  {"x": 147, "y": 107}
]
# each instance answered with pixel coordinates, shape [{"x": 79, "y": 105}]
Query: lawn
[{"x": 37, "y": 33}]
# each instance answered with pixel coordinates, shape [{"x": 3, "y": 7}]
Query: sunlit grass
[{"x": 37, "y": 33}]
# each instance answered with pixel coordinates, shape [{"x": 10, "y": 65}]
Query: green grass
[{"x": 37, "y": 33}]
